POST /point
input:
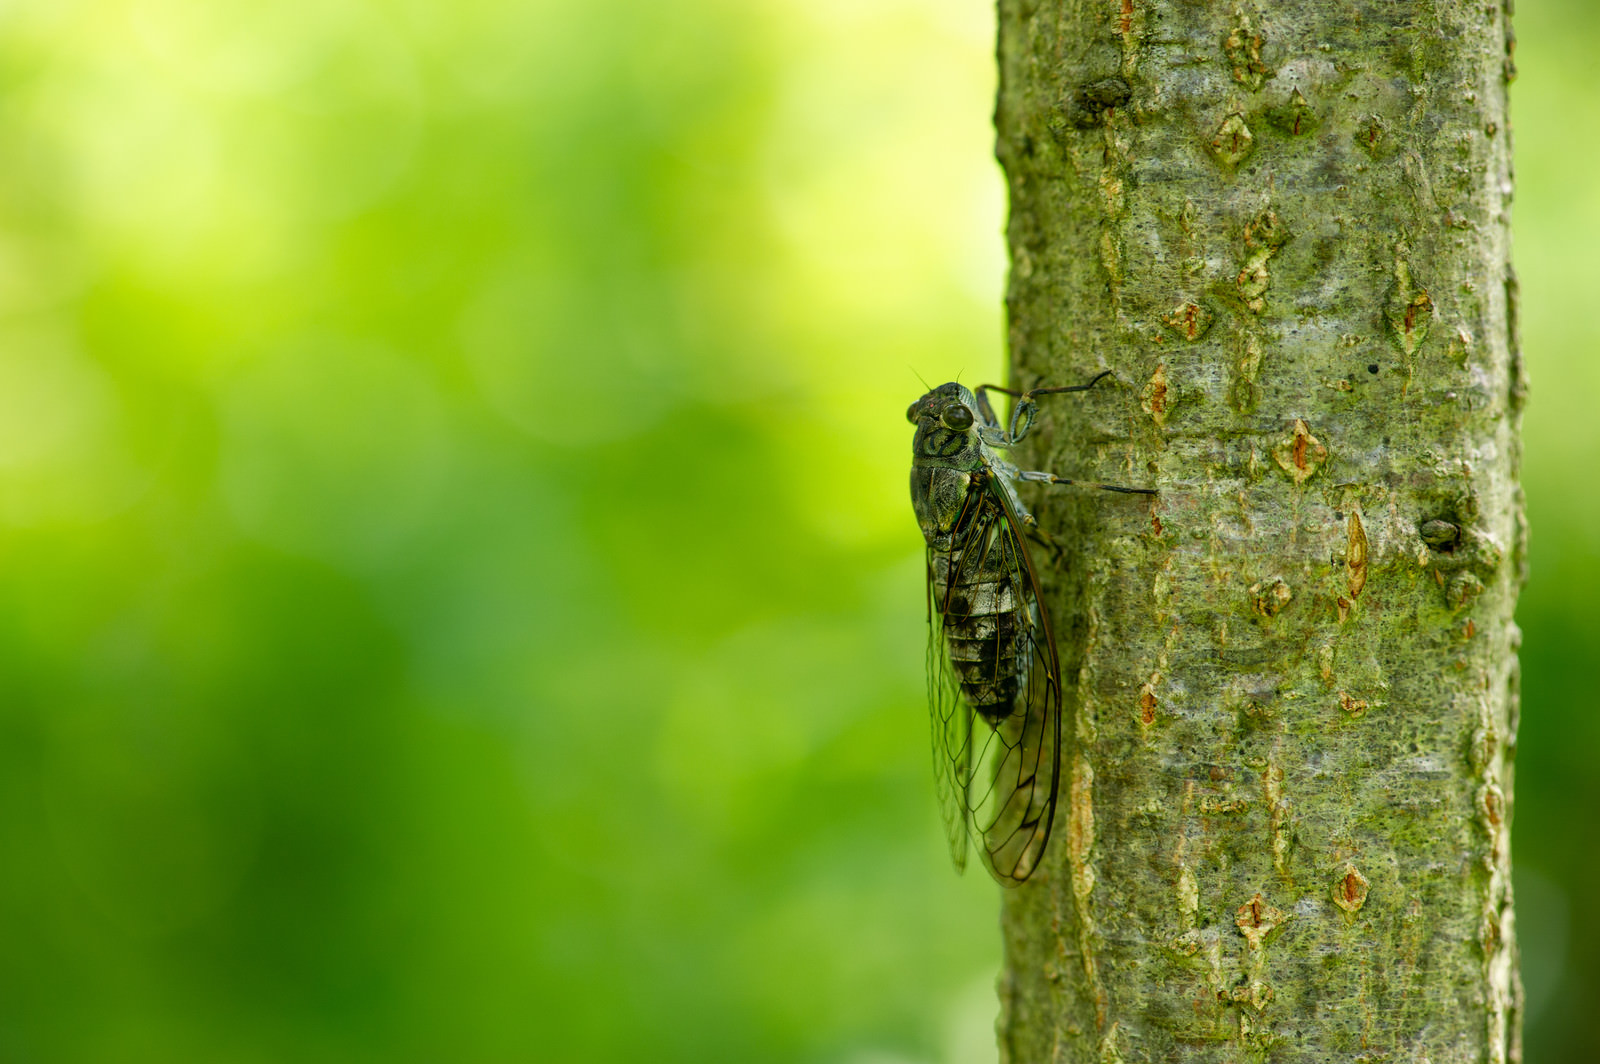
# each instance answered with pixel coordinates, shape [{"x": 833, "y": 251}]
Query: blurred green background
[{"x": 458, "y": 593}]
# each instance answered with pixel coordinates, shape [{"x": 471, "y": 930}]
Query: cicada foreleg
[{"x": 1026, "y": 409}]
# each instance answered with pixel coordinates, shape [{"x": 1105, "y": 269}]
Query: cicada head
[{"x": 947, "y": 426}]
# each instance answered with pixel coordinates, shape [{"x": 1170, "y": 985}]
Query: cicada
[{"x": 991, "y": 652}]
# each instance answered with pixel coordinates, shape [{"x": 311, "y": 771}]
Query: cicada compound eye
[
  {"x": 957, "y": 417},
  {"x": 911, "y": 412}
]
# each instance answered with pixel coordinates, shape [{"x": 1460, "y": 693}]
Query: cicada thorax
[{"x": 988, "y": 626}]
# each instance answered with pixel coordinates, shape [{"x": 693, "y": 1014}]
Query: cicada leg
[
  {"x": 1050, "y": 478},
  {"x": 1023, "y": 413},
  {"x": 1048, "y": 542}
]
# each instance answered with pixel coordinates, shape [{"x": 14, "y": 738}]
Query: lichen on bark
[{"x": 1283, "y": 225}]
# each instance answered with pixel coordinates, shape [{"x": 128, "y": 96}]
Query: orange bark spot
[
  {"x": 1355, "y": 555},
  {"x": 1350, "y": 892}
]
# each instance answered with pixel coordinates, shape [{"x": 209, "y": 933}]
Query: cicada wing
[
  {"x": 1026, "y": 758},
  {"x": 951, "y": 719},
  {"x": 1018, "y": 764}
]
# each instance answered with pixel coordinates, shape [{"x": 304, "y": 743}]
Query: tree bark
[{"x": 1292, "y": 682}]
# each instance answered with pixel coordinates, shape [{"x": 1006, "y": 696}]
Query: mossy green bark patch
[{"x": 1283, "y": 226}]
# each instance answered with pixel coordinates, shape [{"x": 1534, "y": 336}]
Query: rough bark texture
[{"x": 1293, "y": 687}]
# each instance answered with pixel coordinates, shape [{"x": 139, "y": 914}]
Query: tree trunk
[{"x": 1292, "y": 683}]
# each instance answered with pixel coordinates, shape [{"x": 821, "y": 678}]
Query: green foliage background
[{"x": 458, "y": 597}]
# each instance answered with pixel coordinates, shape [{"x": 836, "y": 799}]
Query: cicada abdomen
[{"x": 989, "y": 622}]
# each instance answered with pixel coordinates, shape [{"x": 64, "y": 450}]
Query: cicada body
[{"x": 991, "y": 652}]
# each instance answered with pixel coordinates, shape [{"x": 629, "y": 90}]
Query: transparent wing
[
  {"x": 951, "y": 718},
  {"x": 997, "y": 775}
]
